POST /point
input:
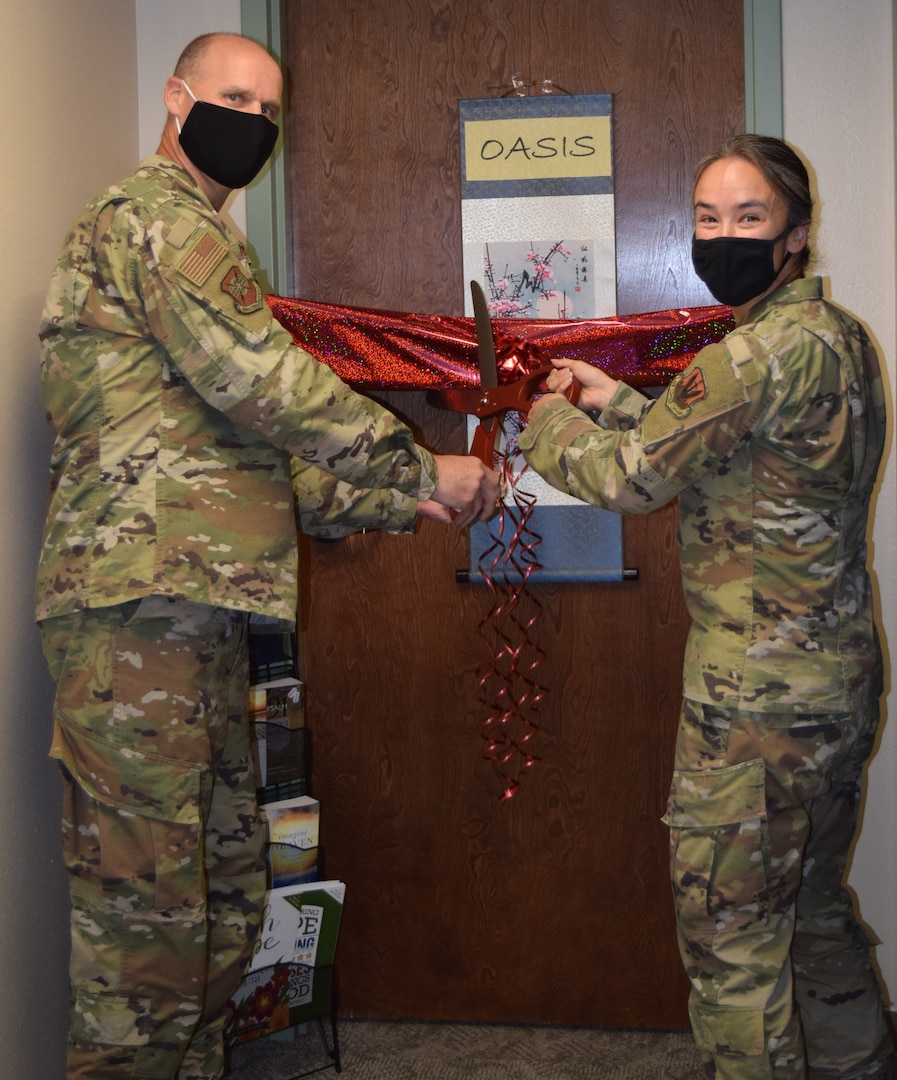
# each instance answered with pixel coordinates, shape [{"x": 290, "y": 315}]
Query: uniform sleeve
[
  {"x": 203, "y": 303},
  {"x": 624, "y": 410},
  {"x": 649, "y": 451},
  {"x": 328, "y": 508}
]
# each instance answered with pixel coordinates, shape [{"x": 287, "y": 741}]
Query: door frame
[{"x": 267, "y": 207}]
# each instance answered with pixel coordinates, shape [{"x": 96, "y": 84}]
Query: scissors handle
[
  {"x": 517, "y": 396},
  {"x": 528, "y": 388},
  {"x": 485, "y": 401}
]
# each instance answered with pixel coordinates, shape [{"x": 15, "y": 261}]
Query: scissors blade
[{"x": 485, "y": 341}]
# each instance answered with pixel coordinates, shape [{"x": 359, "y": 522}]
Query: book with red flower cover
[{"x": 289, "y": 979}]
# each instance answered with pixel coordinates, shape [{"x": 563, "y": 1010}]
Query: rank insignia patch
[
  {"x": 685, "y": 391},
  {"x": 247, "y": 296},
  {"x": 201, "y": 259}
]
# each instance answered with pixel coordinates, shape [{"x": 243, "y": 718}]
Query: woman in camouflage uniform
[{"x": 771, "y": 441}]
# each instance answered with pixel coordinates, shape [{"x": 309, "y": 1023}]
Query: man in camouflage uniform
[
  {"x": 771, "y": 440},
  {"x": 181, "y": 409}
]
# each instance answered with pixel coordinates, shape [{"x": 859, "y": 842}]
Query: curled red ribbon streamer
[{"x": 507, "y": 684}]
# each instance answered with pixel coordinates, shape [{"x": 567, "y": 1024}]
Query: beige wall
[
  {"x": 163, "y": 28},
  {"x": 839, "y": 111},
  {"x": 70, "y": 128}
]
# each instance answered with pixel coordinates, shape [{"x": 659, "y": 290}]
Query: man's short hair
[{"x": 193, "y": 55}]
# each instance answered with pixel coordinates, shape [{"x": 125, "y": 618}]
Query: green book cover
[
  {"x": 300, "y": 925},
  {"x": 290, "y": 977}
]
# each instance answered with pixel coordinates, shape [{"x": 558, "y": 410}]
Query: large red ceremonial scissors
[{"x": 489, "y": 401}]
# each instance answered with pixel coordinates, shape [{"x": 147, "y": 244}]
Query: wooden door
[{"x": 553, "y": 906}]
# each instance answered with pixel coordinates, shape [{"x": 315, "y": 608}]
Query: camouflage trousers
[
  {"x": 161, "y": 833},
  {"x": 763, "y": 810}
]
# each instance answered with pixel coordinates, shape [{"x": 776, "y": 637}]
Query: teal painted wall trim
[
  {"x": 763, "y": 107},
  {"x": 267, "y": 212}
]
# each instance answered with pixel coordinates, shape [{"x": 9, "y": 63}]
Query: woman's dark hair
[{"x": 782, "y": 168}]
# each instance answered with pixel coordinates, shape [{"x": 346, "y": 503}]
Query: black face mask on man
[
  {"x": 737, "y": 268},
  {"x": 227, "y": 145}
]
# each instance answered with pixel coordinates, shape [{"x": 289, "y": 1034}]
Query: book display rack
[{"x": 291, "y": 981}]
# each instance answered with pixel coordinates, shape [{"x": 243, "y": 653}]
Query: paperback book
[
  {"x": 290, "y": 977},
  {"x": 277, "y": 712},
  {"x": 293, "y": 831}
]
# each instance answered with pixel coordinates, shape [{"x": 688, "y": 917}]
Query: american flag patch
[{"x": 201, "y": 259}]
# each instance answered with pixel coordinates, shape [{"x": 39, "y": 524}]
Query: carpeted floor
[{"x": 390, "y": 1050}]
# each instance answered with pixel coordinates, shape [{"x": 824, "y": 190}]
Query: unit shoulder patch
[
  {"x": 246, "y": 294},
  {"x": 685, "y": 391}
]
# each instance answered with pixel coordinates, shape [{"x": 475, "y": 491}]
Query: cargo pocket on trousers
[
  {"x": 131, "y": 820},
  {"x": 728, "y": 1031},
  {"x": 720, "y": 848}
]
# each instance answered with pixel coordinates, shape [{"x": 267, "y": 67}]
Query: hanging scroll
[
  {"x": 537, "y": 205},
  {"x": 537, "y": 216}
]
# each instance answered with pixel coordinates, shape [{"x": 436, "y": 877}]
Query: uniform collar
[
  {"x": 795, "y": 292},
  {"x": 184, "y": 182}
]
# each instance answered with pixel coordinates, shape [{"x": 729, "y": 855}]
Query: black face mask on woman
[
  {"x": 227, "y": 145},
  {"x": 736, "y": 268}
]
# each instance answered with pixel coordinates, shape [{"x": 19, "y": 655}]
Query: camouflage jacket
[
  {"x": 190, "y": 430},
  {"x": 771, "y": 439}
]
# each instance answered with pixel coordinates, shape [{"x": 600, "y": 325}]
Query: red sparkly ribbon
[{"x": 390, "y": 350}]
